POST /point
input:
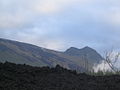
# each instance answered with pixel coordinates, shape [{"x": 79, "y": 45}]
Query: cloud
[
  {"x": 35, "y": 36},
  {"x": 46, "y": 8},
  {"x": 18, "y": 13},
  {"x": 12, "y": 21},
  {"x": 42, "y": 41},
  {"x": 64, "y": 23},
  {"x": 112, "y": 16},
  {"x": 103, "y": 66}
]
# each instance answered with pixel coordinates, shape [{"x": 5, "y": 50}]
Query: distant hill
[
  {"x": 86, "y": 53},
  {"x": 24, "y": 77},
  {"x": 73, "y": 58}
]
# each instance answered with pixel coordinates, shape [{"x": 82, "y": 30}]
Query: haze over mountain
[{"x": 23, "y": 53}]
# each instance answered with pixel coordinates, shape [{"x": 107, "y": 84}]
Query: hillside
[
  {"x": 23, "y": 77},
  {"x": 73, "y": 58}
]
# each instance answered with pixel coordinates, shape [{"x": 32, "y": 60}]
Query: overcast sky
[{"x": 60, "y": 24}]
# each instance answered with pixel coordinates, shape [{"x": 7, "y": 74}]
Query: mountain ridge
[{"x": 20, "y": 53}]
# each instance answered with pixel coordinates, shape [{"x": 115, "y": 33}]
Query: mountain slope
[
  {"x": 20, "y": 53},
  {"x": 85, "y": 53}
]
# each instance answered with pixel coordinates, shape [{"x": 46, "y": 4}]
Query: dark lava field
[{"x": 24, "y": 77}]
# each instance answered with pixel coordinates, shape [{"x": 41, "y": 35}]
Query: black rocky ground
[{"x": 23, "y": 77}]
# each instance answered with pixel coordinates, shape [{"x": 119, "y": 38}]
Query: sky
[{"x": 60, "y": 24}]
